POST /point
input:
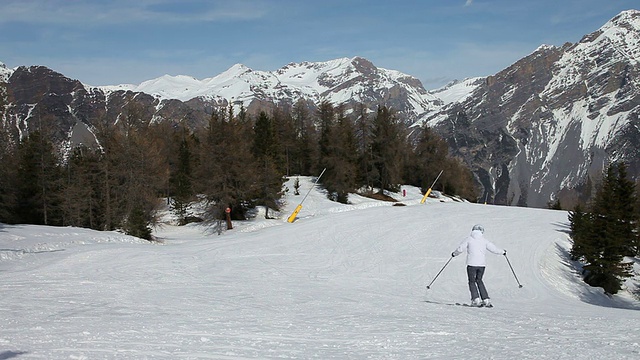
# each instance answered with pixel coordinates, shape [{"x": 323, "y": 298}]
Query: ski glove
[
  {"x": 505, "y": 253},
  {"x": 453, "y": 254}
]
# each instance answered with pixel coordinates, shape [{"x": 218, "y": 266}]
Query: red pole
[{"x": 229, "y": 225}]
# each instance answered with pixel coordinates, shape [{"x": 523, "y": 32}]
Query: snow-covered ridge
[
  {"x": 622, "y": 33},
  {"x": 457, "y": 91},
  {"x": 311, "y": 80},
  {"x": 339, "y": 81},
  {"x": 5, "y": 73},
  {"x": 544, "y": 47}
]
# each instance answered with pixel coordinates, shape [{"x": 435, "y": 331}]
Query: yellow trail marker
[
  {"x": 424, "y": 198},
  {"x": 293, "y": 216}
]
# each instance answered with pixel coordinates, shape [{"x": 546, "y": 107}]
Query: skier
[{"x": 476, "y": 246}]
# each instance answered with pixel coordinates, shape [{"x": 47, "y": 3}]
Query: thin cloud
[
  {"x": 468, "y": 3},
  {"x": 125, "y": 11}
]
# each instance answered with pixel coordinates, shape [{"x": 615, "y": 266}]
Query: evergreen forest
[
  {"x": 605, "y": 232},
  {"x": 237, "y": 161}
]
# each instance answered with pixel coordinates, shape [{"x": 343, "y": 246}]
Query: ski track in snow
[{"x": 341, "y": 282}]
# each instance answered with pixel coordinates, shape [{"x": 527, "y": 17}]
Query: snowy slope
[
  {"x": 457, "y": 91},
  {"x": 343, "y": 281},
  {"x": 310, "y": 79}
]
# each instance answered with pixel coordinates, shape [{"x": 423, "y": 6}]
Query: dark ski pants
[{"x": 475, "y": 282}]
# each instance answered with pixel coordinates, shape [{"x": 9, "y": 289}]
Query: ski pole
[
  {"x": 514, "y": 273},
  {"x": 434, "y": 279}
]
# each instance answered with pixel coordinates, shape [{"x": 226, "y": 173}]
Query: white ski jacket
[{"x": 476, "y": 246}]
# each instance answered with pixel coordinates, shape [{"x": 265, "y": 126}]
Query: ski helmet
[{"x": 478, "y": 227}]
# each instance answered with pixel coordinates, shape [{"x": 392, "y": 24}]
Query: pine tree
[
  {"x": 325, "y": 145},
  {"x": 579, "y": 225},
  {"x": 269, "y": 184},
  {"x": 304, "y": 153},
  {"x": 137, "y": 223},
  {"x": 624, "y": 211},
  {"x": 363, "y": 133},
  {"x": 180, "y": 179},
  {"x": 7, "y": 168},
  {"x": 38, "y": 182},
  {"x": 81, "y": 189},
  {"x": 386, "y": 149},
  {"x": 555, "y": 205},
  {"x": 430, "y": 156},
  {"x": 264, "y": 141},
  {"x": 226, "y": 171},
  {"x": 339, "y": 157},
  {"x": 285, "y": 138},
  {"x": 601, "y": 238},
  {"x": 458, "y": 179},
  {"x": 134, "y": 170},
  {"x": 111, "y": 205}
]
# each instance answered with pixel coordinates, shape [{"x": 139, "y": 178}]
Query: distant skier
[{"x": 476, "y": 246}]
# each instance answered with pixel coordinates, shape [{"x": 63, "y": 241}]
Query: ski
[
  {"x": 457, "y": 304},
  {"x": 440, "y": 303},
  {"x": 480, "y": 306}
]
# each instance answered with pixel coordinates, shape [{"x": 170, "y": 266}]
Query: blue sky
[{"x": 108, "y": 42}]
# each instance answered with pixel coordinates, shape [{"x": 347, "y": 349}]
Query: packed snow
[{"x": 341, "y": 282}]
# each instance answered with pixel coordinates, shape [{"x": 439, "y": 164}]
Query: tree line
[
  {"x": 606, "y": 230},
  {"x": 236, "y": 161}
]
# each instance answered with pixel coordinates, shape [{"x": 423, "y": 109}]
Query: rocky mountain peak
[
  {"x": 620, "y": 35},
  {"x": 5, "y": 73},
  {"x": 629, "y": 19},
  {"x": 539, "y": 129},
  {"x": 363, "y": 65},
  {"x": 236, "y": 70},
  {"x": 27, "y": 83}
]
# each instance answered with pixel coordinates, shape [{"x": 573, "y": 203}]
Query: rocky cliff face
[
  {"x": 538, "y": 129},
  {"x": 37, "y": 97}
]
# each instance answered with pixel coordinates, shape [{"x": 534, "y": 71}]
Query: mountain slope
[
  {"x": 343, "y": 281},
  {"x": 72, "y": 111},
  {"x": 554, "y": 118},
  {"x": 37, "y": 92},
  {"x": 340, "y": 81}
]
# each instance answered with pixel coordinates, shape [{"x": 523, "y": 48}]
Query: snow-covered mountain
[
  {"x": 77, "y": 106},
  {"x": 340, "y": 81},
  {"x": 533, "y": 132},
  {"x": 538, "y": 129}
]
